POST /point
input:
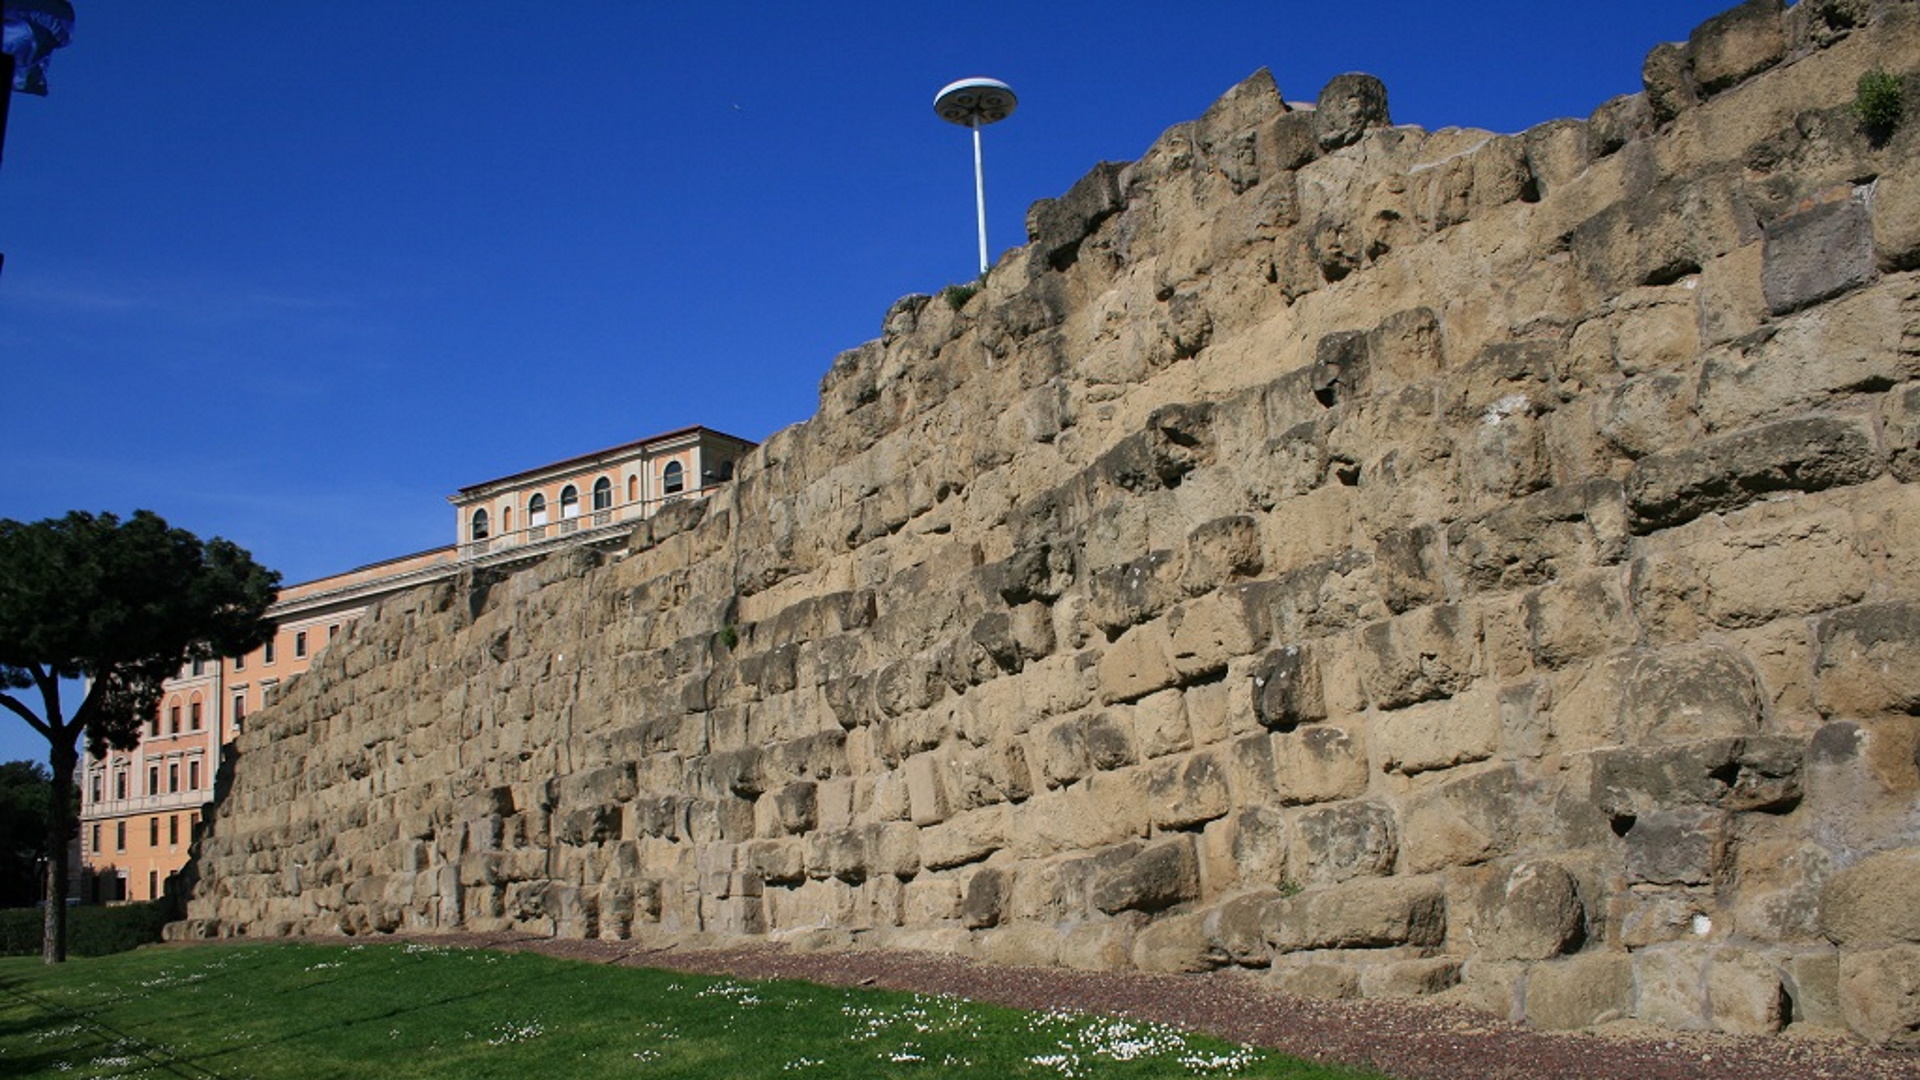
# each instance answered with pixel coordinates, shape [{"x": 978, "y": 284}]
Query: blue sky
[{"x": 292, "y": 273}]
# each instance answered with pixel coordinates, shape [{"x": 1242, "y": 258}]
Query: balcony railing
[{"x": 579, "y": 525}]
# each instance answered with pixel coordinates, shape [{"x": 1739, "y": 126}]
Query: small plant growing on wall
[
  {"x": 957, "y": 296},
  {"x": 1878, "y": 102}
]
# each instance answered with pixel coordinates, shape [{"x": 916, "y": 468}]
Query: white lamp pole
[{"x": 973, "y": 104}]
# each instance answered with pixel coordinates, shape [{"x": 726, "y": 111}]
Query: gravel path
[{"x": 1413, "y": 1040}]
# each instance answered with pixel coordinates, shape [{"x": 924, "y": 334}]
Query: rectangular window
[
  {"x": 333, "y": 631},
  {"x": 193, "y": 775},
  {"x": 153, "y": 779},
  {"x": 153, "y": 729},
  {"x": 120, "y": 785},
  {"x": 300, "y": 644},
  {"x": 153, "y": 884},
  {"x": 153, "y": 832},
  {"x": 199, "y": 668},
  {"x": 96, "y": 836},
  {"x": 173, "y": 829},
  {"x": 240, "y": 662},
  {"x": 99, "y": 787},
  {"x": 173, "y": 776},
  {"x": 173, "y": 720},
  {"x": 193, "y": 716},
  {"x": 119, "y": 836},
  {"x": 268, "y": 658}
]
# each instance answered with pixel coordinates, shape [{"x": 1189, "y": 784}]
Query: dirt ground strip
[{"x": 1414, "y": 1040}]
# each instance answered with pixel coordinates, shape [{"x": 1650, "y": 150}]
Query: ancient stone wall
[{"x": 1394, "y": 561}]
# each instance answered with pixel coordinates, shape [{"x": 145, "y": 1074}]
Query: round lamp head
[{"x": 975, "y": 102}]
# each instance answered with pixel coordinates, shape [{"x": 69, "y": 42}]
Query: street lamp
[{"x": 975, "y": 103}]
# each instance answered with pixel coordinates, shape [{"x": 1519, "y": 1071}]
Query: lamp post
[{"x": 975, "y": 103}]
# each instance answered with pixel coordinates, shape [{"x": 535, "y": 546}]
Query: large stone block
[
  {"x": 1874, "y": 902},
  {"x": 1187, "y": 791},
  {"x": 1287, "y": 690},
  {"x": 1320, "y": 763},
  {"x": 1725, "y": 473},
  {"x": 1579, "y": 991},
  {"x": 1362, "y": 914},
  {"x": 1430, "y": 653},
  {"x": 1343, "y": 840},
  {"x": 1347, "y": 108},
  {"x": 1896, "y": 220},
  {"x": 1670, "y": 987},
  {"x": 1869, "y": 659},
  {"x": 1880, "y": 994},
  {"x": 1439, "y": 734},
  {"x": 1175, "y": 944},
  {"x": 1698, "y": 692},
  {"x": 1138, "y": 664},
  {"x": 1531, "y": 912},
  {"x": 1819, "y": 251},
  {"x": 1737, "y": 44},
  {"x": 1209, "y": 632},
  {"x": 1148, "y": 877},
  {"x": 1746, "y": 994},
  {"x": 1465, "y": 820},
  {"x": 1676, "y": 847}
]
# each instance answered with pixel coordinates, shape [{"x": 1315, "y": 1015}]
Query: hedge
[{"x": 92, "y": 930}]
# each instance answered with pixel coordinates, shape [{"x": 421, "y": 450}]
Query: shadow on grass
[
  {"x": 101, "y": 1037},
  {"x": 54, "y": 1020}
]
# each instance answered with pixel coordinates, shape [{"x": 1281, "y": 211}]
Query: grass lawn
[{"x": 261, "y": 1011}]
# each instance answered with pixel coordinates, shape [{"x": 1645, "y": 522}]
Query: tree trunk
[{"x": 53, "y": 939}]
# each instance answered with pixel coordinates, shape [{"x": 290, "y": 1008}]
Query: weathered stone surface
[
  {"x": 1149, "y": 878},
  {"x": 1533, "y": 912},
  {"x": 1364, "y": 914},
  {"x": 1344, "y": 840},
  {"x": 1431, "y": 653},
  {"x": 1287, "y": 690},
  {"x": 1579, "y": 991},
  {"x": 1681, "y": 694},
  {"x": 1731, "y": 471},
  {"x": 1737, "y": 44},
  {"x": 1896, "y": 221},
  {"x": 1869, "y": 659},
  {"x": 1324, "y": 544},
  {"x": 1347, "y": 108},
  {"x": 1874, "y": 902},
  {"x": 1410, "y": 978},
  {"x": 1676, "y": 847},
  {"x": 1880, "y": 994},
  {"x": 1818, "y": 252},
  {"x": 1321, "y": 763}
]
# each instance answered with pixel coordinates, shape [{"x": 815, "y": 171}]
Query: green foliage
[
  {"x": 957, "y": 296},
  {"x": 91, "y": 930},
  {"x": 418, "y": 1011},
  {"x": 23, "y": 829},
  {"x": 729, "y": 636},
  {"x": 123, "y": 605},
  {"x": 1878, "y": 101}
]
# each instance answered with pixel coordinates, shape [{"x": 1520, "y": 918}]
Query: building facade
[
  {"x": 593, "y": 493},
  {"x": 140, "y": 809}
]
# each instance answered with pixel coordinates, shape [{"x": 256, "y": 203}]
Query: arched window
[
  {"x": 479, "y": 525},
  {"x": 569, "y": 502},
  {"x": 673, "y": 478},
  {"x": 536, "y": 511},
  {"x": 633, "y": 488},
  {"x": 603, "y": 494},
  {"x": 506, "y": 519}
]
